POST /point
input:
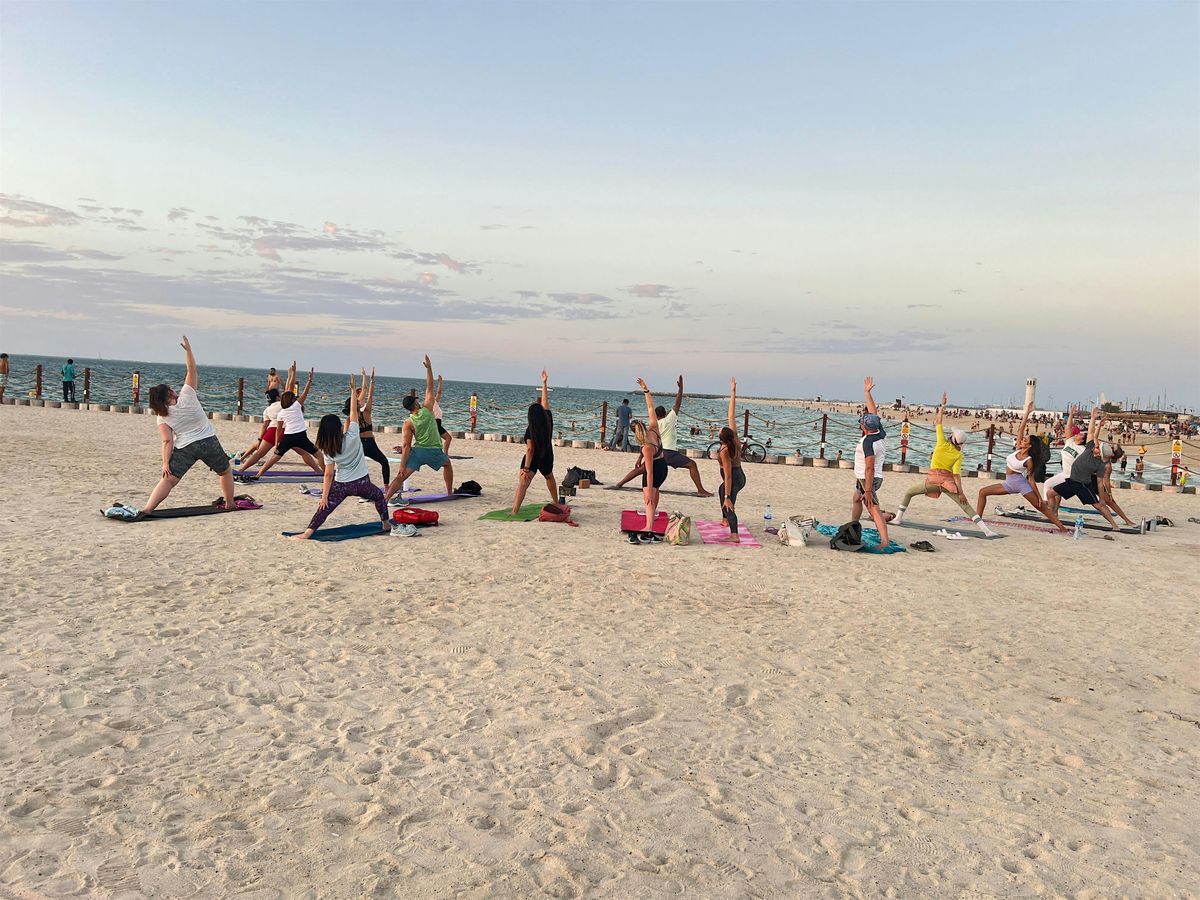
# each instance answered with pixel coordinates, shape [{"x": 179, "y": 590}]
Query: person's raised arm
[
  {"x": 370, "y": 392},
  {"x": 940, "y": 408},
  {"x": 192, "y": 378},
  {"x": 1070, "y": 420},
  {"x": 354, "y": 396},
  {"x": 429, "y": 395},
  {"x": 303, "y": 397},
  {"x": 651, "y": 415},
  {"x": 1024, "y": 422},
  {"x": 868, "y": 385},
  {"x": 290, "y": 384},
  {"x": 1093, "y": 424},
  {"x": 437, "y": 397},
  {"x": 733, "y": 405},
  {"x": 679, "y": 395},
  {"x": 545, "y": 390}
]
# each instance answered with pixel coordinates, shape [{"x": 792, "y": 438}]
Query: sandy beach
[{"x": 196, "y": 707}]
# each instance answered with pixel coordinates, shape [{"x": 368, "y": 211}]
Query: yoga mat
[
  {"x": 183, "y": 512},
  {"x": 632, "y": 520},
  {"x": 712, "y": 533},
  {"x": 1025, "y": 517},
  {"x": 870, "y": 540},
  {"x": 1003, "y": 524},
  {"x": 528, "y": 513},
  {"x": 342, "y": 532},
  {"x": 935, "y": 528},
  {"x": 297, "y": 478},
  {"x": 660, "y": 490}
]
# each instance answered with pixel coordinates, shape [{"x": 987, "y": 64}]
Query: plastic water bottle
[
  {"x": 767, "y": 517},
  {"x": 1078, "y": 527}
]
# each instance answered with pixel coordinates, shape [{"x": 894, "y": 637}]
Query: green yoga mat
[{"x": 528, "y": 513}]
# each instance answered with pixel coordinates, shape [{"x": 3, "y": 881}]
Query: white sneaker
[
  {"x": 987, "y": 531},
  {"x": 899, "y": 520}
]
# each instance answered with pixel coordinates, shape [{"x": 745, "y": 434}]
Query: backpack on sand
[
  {"x": 556, "y": 512},
  {"x": 410, "y": 515}
]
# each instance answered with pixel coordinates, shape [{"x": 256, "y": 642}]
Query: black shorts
[
  {"x": 676, "y": 460},
  {"x": 660, "y": 472},
  {"x": 1084, "y": 493},
  {"x": 297, "y": 441},
  {"x": 441, "y": 430},
  {"x": 544, "y": 465},
  {"x": 207, "y": 450}
]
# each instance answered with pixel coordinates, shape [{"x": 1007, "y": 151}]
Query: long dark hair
[
  {"x": 158, "y": 399},
  {"x": 728, "y": 438},
  {"x": 287, "y": 398},
  {"x": 329, "y": 435},
  {"x": 539, "y": 427}
]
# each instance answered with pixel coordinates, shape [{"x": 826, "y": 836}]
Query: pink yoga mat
[
  {"x": 632, "y": 520},
  {"x": 712, "y": 532}
]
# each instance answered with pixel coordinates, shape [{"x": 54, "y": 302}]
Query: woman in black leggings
[
  {"x": 366, "y": 434},
  {"x": 733, "y": 479},
  {"x": 655, "y": 464}
]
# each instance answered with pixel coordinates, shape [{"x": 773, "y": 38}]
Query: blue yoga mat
[
  {"x": 342, "y": 532},
  {"x": 870, "y": 538}
]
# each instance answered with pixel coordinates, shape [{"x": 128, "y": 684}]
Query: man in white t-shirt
[
  {"x": 668, "y": 424},
  {"x": 869, "y": 455},
  {"x": 187, "y": 435}
]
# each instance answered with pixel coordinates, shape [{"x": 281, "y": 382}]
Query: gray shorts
[
  {"x": 676, "y": 460},
  {"x": 207, "y": 450},
  {"x": 858, "y": 489}
]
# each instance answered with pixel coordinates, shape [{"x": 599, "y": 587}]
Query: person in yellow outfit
[{"x": 945, "y": 476}]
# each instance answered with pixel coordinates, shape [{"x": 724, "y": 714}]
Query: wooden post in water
[
  {"x": 241, "y": 392},
  {"x": 87, "y": 384},
  {"x": 603, "y": 421},
  {"x": 991, "y": 445},
  {"x": 746, "y": 423},
  {"x": 38, "y": 385},
  {"x": 824, "y": 425}
]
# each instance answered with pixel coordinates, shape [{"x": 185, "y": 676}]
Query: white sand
[{"x": 195, "y": 707}]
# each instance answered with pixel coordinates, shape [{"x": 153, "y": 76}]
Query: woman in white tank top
[{"x": 1019, "y": 479}]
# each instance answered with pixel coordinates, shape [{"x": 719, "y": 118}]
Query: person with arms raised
[
  {"x": 539, "y": 449},
  {"x": 422, "y": 445}
]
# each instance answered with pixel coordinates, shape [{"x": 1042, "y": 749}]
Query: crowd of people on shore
[{"x": 344, "y": 443}]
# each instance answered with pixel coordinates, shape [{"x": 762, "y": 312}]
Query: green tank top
[{"x": 425, "y": 433}]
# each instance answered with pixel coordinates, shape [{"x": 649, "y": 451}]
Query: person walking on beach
[
  {"x": 1086, "y": 471},
  {"x": 1019, "y": 479},
  {"x": 667, "y": 429},
  {"x": 345, "y": 467},
  {"x": 733, "y": 476},
  {"x": 3, "y": 374},
  {"x": 945, "y": 474},
  {"x": 68, "y": 377},
  {"x": 187, "y": 435},
  {"x": 295, "y": 429},
  {"x": 366, "y": 432},
  {"x": 539, "y": 449},
  {"x": 655, "y": 467},
  {"x": 621, "y": 435},
  {"x": 422, "y": 445},
  {"x": 868, "y": 466}
]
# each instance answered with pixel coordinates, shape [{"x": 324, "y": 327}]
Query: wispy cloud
[
  {"x": 580, "y": 299},
  {"x": 34, "y": 252},
  {"x": 178, "y": 214},
  {"x": 20, "y": 212},
  {"x": 924, "y": 306}
]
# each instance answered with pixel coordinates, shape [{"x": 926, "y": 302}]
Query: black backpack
[
  {"x": 848, "y": 537},
  {"x": 469, "y": 487}
]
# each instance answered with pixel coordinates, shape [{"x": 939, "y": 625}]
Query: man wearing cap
[
  {"x": 1083, "y": 480},
  {"x": 945, "y": 474},
  {"x": 422, "y": 445},
  {"x": 667, "y": 430},
  {"x": 868, "y": 466}
]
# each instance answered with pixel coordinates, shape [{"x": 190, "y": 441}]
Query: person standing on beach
[
  {"x": 366, "y": 431},
  {"x": 422, "y": 445},
  {"x": 945, "y": 474},
  {"x": 621, "y": 435},
  {"x": 3, "y": 374},
  {"x": 655, "y": 467},
  {"x": 268, "y": 434},
  {"x": 1019, "y": 480},
  {"x": 295, "y": 429},
  {"x": 1084, "y": 480},
  {"x": 539, "y": 449},
  {"x": 437, "y": 417},
  {"x": 345, "y": 467},
  {"x": 733, "y": 477},
  {"x": 1106, "y": 486},
  {"x": 667, "y": 429},
  {"x": 68, "y": 377},
  {"x": 273, "y": 382},
  {"x": 187, "y": 436},
  {"x": 868, "y": 466},
  {"x": 1071, "y": 448}
]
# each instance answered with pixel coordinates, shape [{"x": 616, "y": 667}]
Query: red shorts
[{"x": 269, "y": 435}]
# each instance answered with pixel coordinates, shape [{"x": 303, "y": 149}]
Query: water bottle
[
  {"x": 767, "y": 517},
  {"x": 1078, "y": 527}
]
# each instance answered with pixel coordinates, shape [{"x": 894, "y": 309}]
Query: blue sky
[{"x": 940, "y": 195}]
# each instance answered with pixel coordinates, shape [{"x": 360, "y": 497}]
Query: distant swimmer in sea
[
  {"x": 422, "y": 445},
  {"x": 1086, "y": 471},
  {"x": 1019, "y": 479},
  {"x": 945, "y": 475},
  {"x": 187, "y": 435},
  {"x": 295, "y": 429},
  {"x": 366, "y": 432},
  {"x": 733, "y": 476},
  {"x": 539, "y": 449},
  {"x": 667, "y": 429},
  {"x": 868, "y": 466},
  {"x": 345, "y": 467},
  {"x": 655, "y": 465}
]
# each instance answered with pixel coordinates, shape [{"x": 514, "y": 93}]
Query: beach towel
[
  {"x": 870, "y": 540},
  {"x": 921, "y": 526},
  {"x": 528, "y": 513},
  {"x": 343, "y": 532},
  {"x": 632, "y": 520},
  {"x": 713, "y": 532}
]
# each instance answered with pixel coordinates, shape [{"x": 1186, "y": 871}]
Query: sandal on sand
[{"x": 922, "y": 545}]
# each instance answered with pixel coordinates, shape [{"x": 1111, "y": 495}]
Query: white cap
[{"x": 958, "y": 437}]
